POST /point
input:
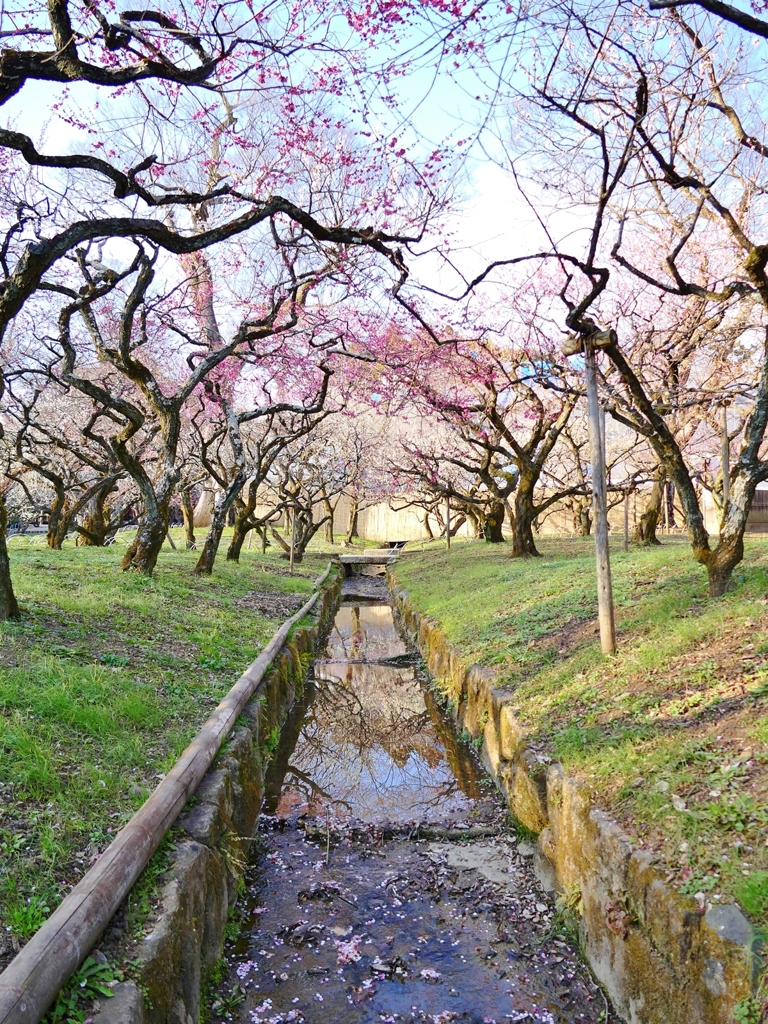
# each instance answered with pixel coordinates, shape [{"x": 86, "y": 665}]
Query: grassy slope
[
  {"x": 681, "y": 712},
  {"x": 102, "y": 684}
]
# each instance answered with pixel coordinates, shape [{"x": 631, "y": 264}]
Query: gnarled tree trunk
[
  {"x": 493, "y": 523},
  {"x": 645, "y": 531},
  {"x": 302, "y": 532},
  {"x": 730, "y": 546},
  {"x": 144, "y": 549},
  {"x": 96, "y": 522},
  {"x": 188, "y": 515},
  {"x": 241, "y": 530},
  {"x": 329, "y": 510},
  {"x": 58, "y": 519},
  {"x": 523, "y": 544},
  {"x": 9, "y": 608},
  {"x": 354, "y": 509},
  {"x": 582, "y": 517},
  {"x": 221, "y": 507}
]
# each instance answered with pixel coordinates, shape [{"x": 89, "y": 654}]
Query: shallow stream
[{"x": 389, "y": 884}]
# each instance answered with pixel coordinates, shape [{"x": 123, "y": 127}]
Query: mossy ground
[
  {"x": 103, "y": 682},
  {"x": 672, "y": 733}
]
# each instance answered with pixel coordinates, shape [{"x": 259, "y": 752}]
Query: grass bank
[
  {"x": 672, "y": 733},
  {"x": 103, "y": 682}
]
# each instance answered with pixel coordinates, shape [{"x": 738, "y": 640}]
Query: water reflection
[{"x": 368, "y": 740}]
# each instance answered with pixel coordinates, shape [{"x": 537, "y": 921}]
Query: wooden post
[
  {"x": 666, "y": 507},
  {"x": 725, "y": 455},
  {"x": 293, "y": 535},
  {"x": 448, "y": 522},
  {"x": 627, "y": 493},
  {"x": 599, "y": 511}
]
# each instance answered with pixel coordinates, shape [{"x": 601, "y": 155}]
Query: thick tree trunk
[
  {"x": 523, "y": 544},
  {"x": 305, "y": 530},
  {"x": 56, "y": 537},
  {"x": 96, "y": 524},
  {"x": 95, "y": 531},
  {"x": 428, "y": 527},
  {"x": 494, "y": 522},
  {"x": 241, "y": 531},
  {"x": 143, "y": 552},
  {"x": 730, "y": 546},
  {"x": 354, "y": 508},
  {"x": 582, "y": 518},
  {"x": 329, "y": 521},
  {"x": 58, "y": 520},
  {"x": 645, "y": 531},
  {"x": 722, "y": 562},
  {"x": 9, "y": 609},
  {"x": 207, "y": 557},
  {"x": 188, "y": 515},
  {"x": 221, "y": 510}
]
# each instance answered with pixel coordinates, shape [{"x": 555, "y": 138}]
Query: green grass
[
  {"x": 672, "y": 733},
  {"x": 103, "y": 682}
]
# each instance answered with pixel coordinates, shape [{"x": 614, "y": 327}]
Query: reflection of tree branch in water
[
  {"x": 459, "y": 759},
  {"x": 289, "y": 737},
  {"x": 371, "y": 739},
  {"x": 340, "y": 714},
  {"x": 357, "y": 636},
  {"x": 315, "y": 790}
]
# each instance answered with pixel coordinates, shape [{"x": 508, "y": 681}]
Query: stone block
[
  {"x": 490, "y": 753},
  {"x": 543, "y": 861},
  {"x": 730, "y": 940},
  {"x": 217, "y": 901},
  {"x": 125, "y": 1007},
  {"x": 252, "y": 716},
  {"x": 512, "y": 733},
  {"x": 216, "y": 788},
  {"x": 528, "y": 796},
  {"x": 205, "y": 823},
  {"x": 242, "y": 758},
  {"x": 170, "y": 956}
]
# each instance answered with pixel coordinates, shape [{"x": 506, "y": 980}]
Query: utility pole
[
  {"x": 293, "y": 535},
  {"x": 600, "y": 513},
  {"x": 666, "y": 507},
  {"x": 448, "y": 522},
  {"x": 627, "y": 493},
  {"x": 725, "y": 455}
]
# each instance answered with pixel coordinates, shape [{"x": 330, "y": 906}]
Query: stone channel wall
[
  {"x": 211, "y": 841},
  {"x": 659, "y": 956}
]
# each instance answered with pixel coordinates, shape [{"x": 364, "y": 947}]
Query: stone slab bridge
[{"x": 374, "y": 556}]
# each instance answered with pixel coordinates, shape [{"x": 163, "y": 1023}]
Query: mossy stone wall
[
  {"x": 211, "y": 842},
  {"x": 660, "y": 957}
]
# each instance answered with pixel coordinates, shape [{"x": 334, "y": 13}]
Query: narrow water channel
[{"x": 389, "y": 885}]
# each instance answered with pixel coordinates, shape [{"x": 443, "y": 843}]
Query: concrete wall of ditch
[
  {"x": 660, "y": 957},
  {"x": 184, "y": 938}
]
